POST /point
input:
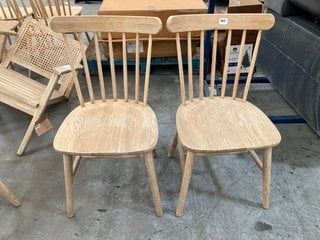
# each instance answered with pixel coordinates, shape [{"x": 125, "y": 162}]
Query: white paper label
[
  {"x": 223, "y": 21},
  {"x": 131, "y": 47}
]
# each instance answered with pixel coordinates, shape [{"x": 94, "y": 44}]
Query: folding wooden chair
[
  {"x": 226, "y": 123},
  {"x": 107, "y": 125},
  {"x": 40, "y": 50}
]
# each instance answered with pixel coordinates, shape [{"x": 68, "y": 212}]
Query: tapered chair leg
[
  {"x": 173, "y": 145},
  {"x": 68, "y": 178},
  {"x": 9, "y": 195},
  {"x": 148, "y": 159},
  {"x": 182, "y": 155},
  {"x": 185, "y": 183},
  {"x": 27, "y": 136},
  {"x": 267, "y": 159}
]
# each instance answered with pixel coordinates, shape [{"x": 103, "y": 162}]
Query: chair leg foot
[
  {"x": 26, "y": 137},
  {"x": 148, "y": 159},
  {"x": 68, "y": 178},
  {"x": 267, "y": 159},
  {"x": 185, "y": 183},
  {"x": 173, "y": 145},
  {"x": 9, "y": 195}
]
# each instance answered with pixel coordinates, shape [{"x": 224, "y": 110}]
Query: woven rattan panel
[{"x": 40, "y": 50}]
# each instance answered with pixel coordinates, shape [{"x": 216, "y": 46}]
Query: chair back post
[
  {"x": 108, "y": 26},
  {"x": 147, "y": 75},
  {"x": 73, "y": 70},
  {"x": 253, "y": 61},
  {"x": 219, "y": 22}
]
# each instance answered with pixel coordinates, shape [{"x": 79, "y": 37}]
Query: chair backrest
[
  {"x": 110, "y": 25},
  {"x": 39, "y": 49},
  {"x": 216, "y": 23},
  {"x": 45, "y": 9},
  {"x": 14, "y": 10}
]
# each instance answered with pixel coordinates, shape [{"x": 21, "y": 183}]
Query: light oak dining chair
[
  {"x": 47, "y": 9},
  {"x": 15, "y": 10},
  {"x": 109, "y": 124},
  {"x": 36, "y": 49},
  {"x": 225, "y": 123}
]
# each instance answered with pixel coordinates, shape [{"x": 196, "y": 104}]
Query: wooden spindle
[
  {"x": 125, "y": 67},
  {"x": 180, "y": 66},
  {"x": 112, "y": 68},
  {"x": 99, "y": 66},
  {"x": 69, "y": 7},
  {"x": 74, "y": 74},
  {"x": 252, "y": 64},
  {"x": 201, "y": 68},
  {"x": 226, "y": 65},
  {"x": 3, "y": 12},
  {"x": 190, "y": 73},
  {"x": 86, "y": 68},
  {"x": 147, "y": 76},
  {"x": 240, "y": 58},
  {"x": 213, "y": 62},
  {"x": 137, "y": 70}
]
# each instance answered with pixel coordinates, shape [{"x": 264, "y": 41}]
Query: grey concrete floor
[{"x": 113, "y": 199}]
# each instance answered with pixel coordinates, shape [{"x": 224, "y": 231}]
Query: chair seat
[
  {"x": 224, "y": 125},
  {"x": 23, "y": 88},
  {"x": 108, "y": 128}
]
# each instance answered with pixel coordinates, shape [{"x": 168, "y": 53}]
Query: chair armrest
[
  {"x": 8, "y": 33},
  {"x": 65, "y": 69}
]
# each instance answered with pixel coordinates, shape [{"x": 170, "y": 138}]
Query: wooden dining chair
[
  {"x": 109, "y": 124},
  {"x": 40, "y": 50},
  {"x": 46, "y": 9},
  {"x": 225, "y": 123},
  {"x": 15, "y": 10}
]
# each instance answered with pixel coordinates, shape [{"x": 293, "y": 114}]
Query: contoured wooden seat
[
  {"x": 40, "y": 50},
  {"x": 108, "y": 125},
  {"x": 226, "y": 123}
]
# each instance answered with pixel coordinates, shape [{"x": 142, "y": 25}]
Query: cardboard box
[
  {"x": 162, "y": 48},
  {"x": 158, "y": 8},
  {"x": 245, "y": 6},
  {"x": 233, "y": 57},
  {"x": 238, "y": 6}
]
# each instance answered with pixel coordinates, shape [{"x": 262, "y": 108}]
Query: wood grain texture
[
  {"x": 125, "y": 24},
  {"x": 15, "y": 10},
  {"x": 40, "y": 50},
  {"x": 44, "y": 10},
  {"x": 4, "y": 190},
  {"x": 198, "y": 22},
  {"x": 224, "y": 125},
  {"x": 108, "y": 128}
]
